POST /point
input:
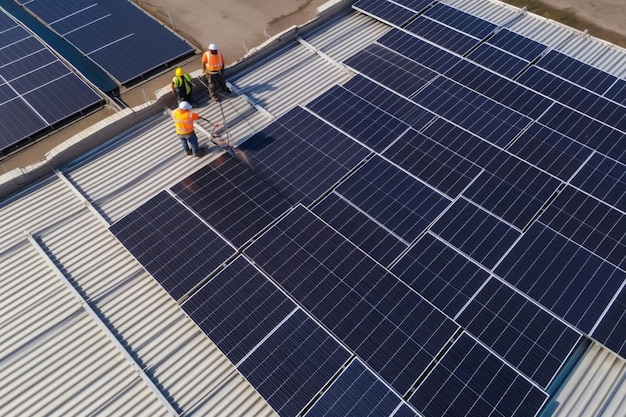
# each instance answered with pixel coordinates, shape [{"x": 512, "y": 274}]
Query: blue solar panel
[
  {"x": 498, "y": 60},
  {"x": 391, "y": 69},
  {"x": 427, "y": 54},
  {"x": 231, "y": 198},
  {"x": 238, "y": 308},
  {"x": 394, "y": 198},
  {"x": 516, "y": 44},
  {"x": 590, "y": 223},
  {"x": 416, "y": 5},
  {"x": 172, "y": 244},
  {"x": 475, "y": 232},
  {"x": 470, "y": 381},
  {"x": 462, "y": 142},
  {"x": 356, "y": 393},
  {"x": 605, "y": 179},
  {"x": 433, "y": 163},
  {"x": 293, "y": 364},
  {"x": 576, "y": 71},
  {"x": 551, "y": 151},
  {"x": 360, "y": 229},
  {"x": 617, "y": 91},
  {"x": 480, "y": 115},
  {"x": 37, "y": 91},
  {"x": 389, "y": 326},
  {"x": 394, "y": 104},
  {"x": 526, "y": 336},
  {"x": 562, "y": 276},
  {"x": 575, "y": 97},
  {"x": 512, "y": 189},
  {"x": 462, "y": 21},
  {"x": 610, "y": 329},
  {"x": 442, "y": 35},
  {"x": 363, "y": 121},
  {"x": 405, "y": 411},
  {"x": 585, "y": 130},
  {"x": 301, "y": 156},
  {"x": 385, "y": 11},
  {"x": 440, "y": 274},
  {"x": 115, "y": 34}
]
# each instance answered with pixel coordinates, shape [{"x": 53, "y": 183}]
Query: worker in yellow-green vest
[{"x": 181, "y": 85}]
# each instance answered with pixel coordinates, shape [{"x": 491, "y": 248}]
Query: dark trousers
[{"x": 216, "y": 81}]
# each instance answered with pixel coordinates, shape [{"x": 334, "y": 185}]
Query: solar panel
[
  {"x": 394, "y": 104},
  {"x": 575, "y": 97},
  {"x": 238, "y": 308},
  {"x": 231, "y": 198},
  {"x": 386, "y": 11},
  {"x": 586, "y": 130},
  {"x": 301, "y": 155},
  {"x": 440, "y": 274},
  {"x": 391, "y": 69},
  {"x": 617, "y": 92},
  {"x": 116, "y": 34},
  {"x": 37, "y": 90},
  {"x": 392, "y": 197},
  {"x": 577, "y": 72},
  {"x": 521, "y": 46},
  {"x": 442, "y": 35},
  {"x": 610, "y": 328},
  {"x": 480, "y": 115},
  {"x": 590, "y": 223},
  {"x": 172, "y": 244},
  {"x": 475, "y": 232},
  {"x": 551, "y": 151},
  {"x": 470, "y": 381},
  {"x": 498, "y": 60},
  {"x": 418, "y": 50},
  {"x": 605, "y": 179},
  {"x": 561, "y": 275},
  {"x": 391, "y": 328},
  {"x": 358, "y": 118},
  {"x": 356, "y": 393},
  {"x": 512, "y": 189},
  {"x": 360, "y": 229},
  {"x": 293, "y": 364},
  {"x": 433, "y": 163},
  {"x": 526, "y": 336},
  {"x": 460, "y": 20}
]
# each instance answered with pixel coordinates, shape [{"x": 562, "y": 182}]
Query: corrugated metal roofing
[{"x": 55, "y": 359}]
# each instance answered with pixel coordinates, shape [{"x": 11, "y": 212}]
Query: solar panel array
[
  {"x": 116, "y": 35},
  {"x": 432, "y": 242},
  {"x": 37, "y": 90}
]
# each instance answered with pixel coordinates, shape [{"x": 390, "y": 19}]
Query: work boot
[
  {"x": 189, "y": 152},
  {"x": 200, "y": 152}
]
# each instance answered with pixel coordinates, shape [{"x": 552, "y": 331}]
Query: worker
[
  {"x": 183, "y": 120},
  {"x": 181, "y": 85},
  {"x": 212, "y": 66}
]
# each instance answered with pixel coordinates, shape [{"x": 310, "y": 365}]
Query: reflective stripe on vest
[
  {"x": 213, "y": 62},
  {"x": 183, "y": 120}
]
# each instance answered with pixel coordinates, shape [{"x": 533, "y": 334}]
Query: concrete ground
[{"x": 239, "y": 25}]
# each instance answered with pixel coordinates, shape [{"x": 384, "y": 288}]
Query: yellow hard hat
[{"x": 179, "y": 72}]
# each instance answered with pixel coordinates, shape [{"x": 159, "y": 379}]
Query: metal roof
[{"x": 86, "y": 330}]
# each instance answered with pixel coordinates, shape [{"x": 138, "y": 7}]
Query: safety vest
[
  {"x": 183, "y": 120},
  {"x": 185, "y": 80},
  {"x": 213, "y": 62}
]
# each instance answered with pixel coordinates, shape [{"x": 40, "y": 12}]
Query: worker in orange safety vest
[
  {"x": 212, "y": 66},
  {"x": 183, "y": 120}
]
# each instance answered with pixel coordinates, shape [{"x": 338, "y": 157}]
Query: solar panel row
[{"x": 37, "y": 91}]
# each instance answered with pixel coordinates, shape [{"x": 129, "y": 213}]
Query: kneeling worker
[{"x": 183, "y": 120}]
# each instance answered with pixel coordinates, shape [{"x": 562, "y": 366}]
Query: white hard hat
[
  {"x": 184, "y": 105},
  {"x": 213, "y": 47}
]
